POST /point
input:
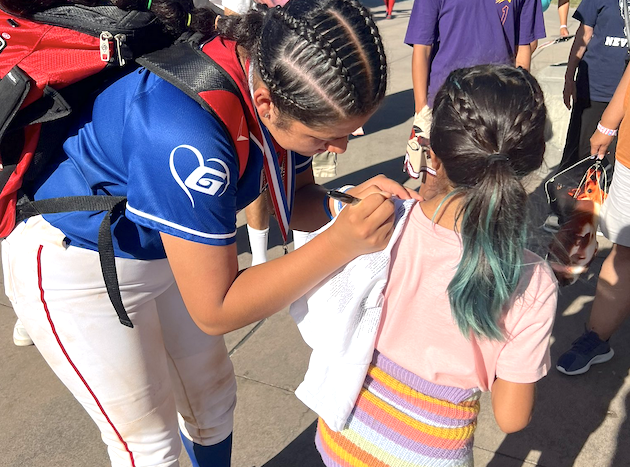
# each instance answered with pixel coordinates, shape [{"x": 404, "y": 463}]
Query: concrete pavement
[{"x": 579, "y": 421}]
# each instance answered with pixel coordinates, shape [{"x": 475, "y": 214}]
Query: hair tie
[
  {"x": 497, "y": 157},
  {"x": 189, "y": 20},
  {"x": 149, "y": 4}
]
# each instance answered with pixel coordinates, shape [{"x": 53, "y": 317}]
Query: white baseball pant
[{"x": 132, "y": 382}]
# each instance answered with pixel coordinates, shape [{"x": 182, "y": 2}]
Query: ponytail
[
  {"x": 494, "y": 237},
  {"x": 488, "y": 131},
  {"x": 246, "y": 29}
]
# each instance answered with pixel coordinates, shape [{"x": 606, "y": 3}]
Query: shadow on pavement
[
  {"x": 396, "y": 109},
  {"x": 569, "y": 409},
  {"x": 300, "y": 452}
]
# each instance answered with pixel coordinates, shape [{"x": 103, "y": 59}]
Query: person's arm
[
  {"x": 525, "y": 356},
  {"x": 611, "y": 118},
  {"x": 420, "y": 66},
  {"x": 219, "y": 299},
  {"x": 513, "y": 404},
  {"x": 563, "y": 14},
  {"x": 524, "y": 56},
  {"x": 531, "y": 27},
  {"x": 582, "y": 37}
]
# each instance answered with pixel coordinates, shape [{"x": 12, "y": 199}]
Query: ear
[
  {"x": 440, "y": 172},
  {"x": 436, "y": 163},
  {"x": 262, "y": 102}
]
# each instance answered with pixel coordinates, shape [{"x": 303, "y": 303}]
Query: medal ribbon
[{"x": 281, "y": 187}]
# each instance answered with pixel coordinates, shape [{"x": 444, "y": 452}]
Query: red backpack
[{"x": 51, "y": 63}]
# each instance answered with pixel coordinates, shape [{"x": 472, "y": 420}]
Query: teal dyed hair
[{"x": 488, "y": 131}]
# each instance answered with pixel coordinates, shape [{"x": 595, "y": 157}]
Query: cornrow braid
[
  {"x": 269, "y": 81},
  {"x": 310, "y": 36},
  {"x": 322, "y": 60},
  {"x": 378, "y": 42}
]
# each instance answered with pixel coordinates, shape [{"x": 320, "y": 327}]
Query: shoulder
[
  {"x": 160, "y": 115},
  {"x": 594, "y": 7}
]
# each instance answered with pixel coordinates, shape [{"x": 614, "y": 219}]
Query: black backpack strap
[
  {"x": 114, "y": 207},
  {"x": 108, "y": 260},
  {"x": 28, "y": 208},
  {"x": 187, "y": 67},
  {"x": 14, "y": 88}
]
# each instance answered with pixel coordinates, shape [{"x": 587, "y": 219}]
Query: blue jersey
[{"x": 147, "y": 140}]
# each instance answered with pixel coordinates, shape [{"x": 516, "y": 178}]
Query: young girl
[
  {"x": 310, "y": 74},
  {"x": 467, "y": 309}
]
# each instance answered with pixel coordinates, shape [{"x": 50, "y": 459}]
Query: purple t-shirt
[{"x": 465, "y": 33}]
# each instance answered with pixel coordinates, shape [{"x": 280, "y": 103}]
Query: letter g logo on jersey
[{"x": 212, "y": 179}]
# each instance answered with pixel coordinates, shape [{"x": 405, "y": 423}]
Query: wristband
[
  {"x": 607, "y": 131},
  {"x": 327, "y": 208},
  {"x": 338, "y": 205},
  {"x": 563, "y": 26}
]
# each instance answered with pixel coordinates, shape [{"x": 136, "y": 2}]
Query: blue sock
[{"x": 217, "y": 455}]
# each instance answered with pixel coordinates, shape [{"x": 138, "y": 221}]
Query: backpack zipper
[
  {"x": 105, "y": 46},
  {"x": 120, "y": 40},
  {"x": 112, "y": 45}
]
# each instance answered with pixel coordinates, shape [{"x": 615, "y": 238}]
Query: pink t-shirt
[{"x": 417, "y": 328}]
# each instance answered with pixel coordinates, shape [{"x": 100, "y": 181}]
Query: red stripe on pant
[{"x": 54, "y": 331}]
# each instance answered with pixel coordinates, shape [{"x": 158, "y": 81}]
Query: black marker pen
[{"x": 343, "y": 197}]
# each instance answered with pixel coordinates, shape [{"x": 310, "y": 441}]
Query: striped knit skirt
[{"x": 402, "y": 420}]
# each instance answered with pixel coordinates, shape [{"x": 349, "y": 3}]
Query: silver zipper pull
[
  {"x": 120, "y": 40},
  {"x": 105, "y": 46}
]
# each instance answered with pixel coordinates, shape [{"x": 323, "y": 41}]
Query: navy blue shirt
[
  {"x": 147, "y": 140},
  {"x": 603, "y": 63}
]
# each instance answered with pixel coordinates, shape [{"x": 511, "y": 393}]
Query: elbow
[
  {"x": 513, "y": 424},
  {"x": 513, "y": 428},
  {"x": 512, "y": 404},
  {"x": 210, "y": 325},
  {"x": 214, "y": 331}
]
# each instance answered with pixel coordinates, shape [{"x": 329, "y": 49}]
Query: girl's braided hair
[
  {"x": 489, "y": 132},
  {"x": 322, "y": 60}
]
